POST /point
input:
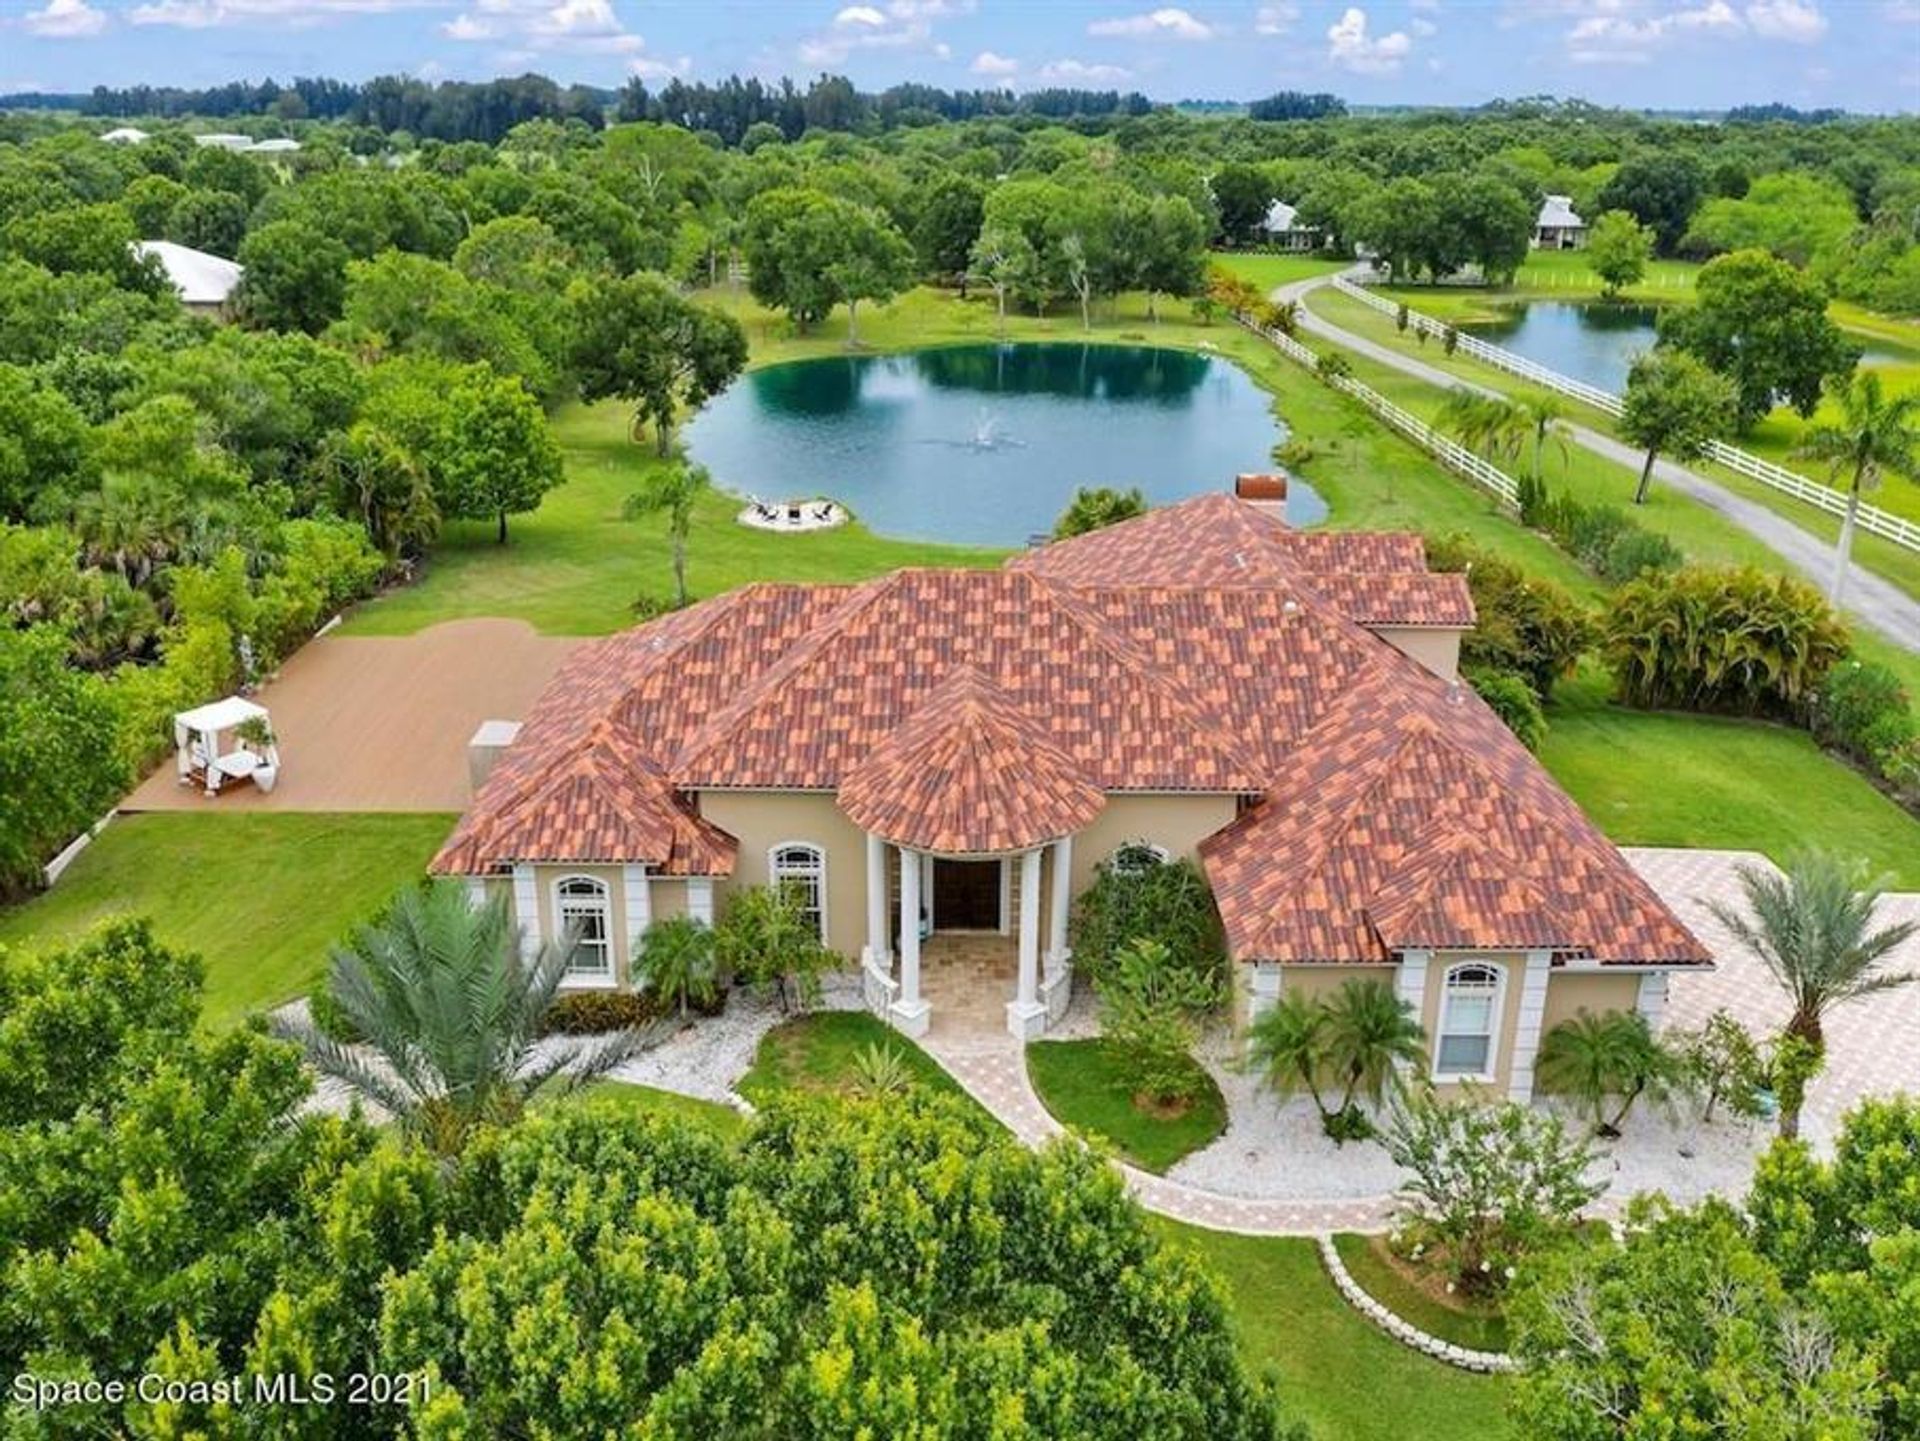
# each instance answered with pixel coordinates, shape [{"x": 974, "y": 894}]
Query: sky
[{"x": 1862, "y": 55}]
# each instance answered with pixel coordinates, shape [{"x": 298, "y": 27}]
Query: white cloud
[
  {"x": 1351, "y": 48},
  {"x": 1078, "y": 72},
  {"x": 648, "y": 68},
  {"x": 1422, "y": 27},
  {"x": 465, "y": 27},
  {"x": 1167, "y": 23},
  {"x": 1787, "y": 20},
  {"x": 1275, "y": 19},
  {"x": 859, "y": 15},
  {"x": 988, "y": 63},
  {"x": 895, "y": 25},
  {"x": 65, "y": 20},
  {"x": 205, "y": 14}
]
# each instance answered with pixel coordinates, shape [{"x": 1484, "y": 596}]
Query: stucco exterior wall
[
  {"x": 1437, "y": 650},
  {"x": 546, "y": 878},
  {"x": 1175, "y": 823},
  {"x": 1513, "y": 971},
  {"x": 762, "y": 820},
  {"x": 1570, "y": 993}
]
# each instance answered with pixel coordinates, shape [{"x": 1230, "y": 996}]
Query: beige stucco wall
[
  {"x": 1513, "y": 969},
  {"x": 1176, "y": 823},
  {"x": 1437, "y": 650},
  {"x": 1570, "y": 993},
  {"x": 762, "y": 820}
]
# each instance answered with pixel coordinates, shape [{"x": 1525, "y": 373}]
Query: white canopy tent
[{"x": 198, "y": 735}]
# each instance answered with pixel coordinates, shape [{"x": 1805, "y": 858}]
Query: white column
[
  {"x": 1651, "y": 1003},
  {"x": 878, "y": 955},
  {"x": 476, "y": 892},
  {"x": 1058, "y": 901},
  {"x": 1026, "y": 1016},
  {"x": 1526, "y": 1031},
  {"x": 526, "y": 911},
  {"x": 910, "y": 1014},
  {"x": 638, "y": 900},
  {"x": 1267, "y": 981},
  {"x": 700, "y": 898},
  {"x": 1411, "y": 986}
]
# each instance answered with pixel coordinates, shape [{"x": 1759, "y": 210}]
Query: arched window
[
  {"x": 1469, "y": 1014},
  {"x": 581, "y": 904},
  {"x": 1132, "y": 858},
  {"x": 801, "y": 870}
]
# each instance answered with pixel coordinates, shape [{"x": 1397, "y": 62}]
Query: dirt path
[
  {"x": 381, "y": 723},
  {"x": 1871, "y": 599}
]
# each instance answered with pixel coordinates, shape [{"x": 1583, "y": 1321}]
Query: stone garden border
[{"x": 1404, "y": 1331}]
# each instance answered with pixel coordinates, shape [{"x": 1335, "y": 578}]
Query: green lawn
[
  {"x": 618, "y": 1097},
  {"x": 1479, "y": 1327},
  {"x": 1657, "y": 779},
  {"x": 1336, "y": 1371},
  {"x": 1089, "y": 1086},
  {"x": 260, "y": 897},
  {"x": 1271, "y": 271},
  {"x": 817, "y": 1053}
]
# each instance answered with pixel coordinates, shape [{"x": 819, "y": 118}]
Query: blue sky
[{"x": 1861, "y": 54}]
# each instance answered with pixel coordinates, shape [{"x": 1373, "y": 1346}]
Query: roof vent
[
  {"x": 1289, "y": 610},
  {"x": 1453, "y": 692}
]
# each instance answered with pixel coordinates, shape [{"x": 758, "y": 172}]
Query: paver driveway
[
  {"x": 1873, "y": 1045},
  {"x": 381, "y": 723}
]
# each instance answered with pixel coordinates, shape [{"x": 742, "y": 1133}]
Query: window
[
  {"x": 1469, "y": 1009},
  {"x": 585, "y": 915},
  {"x": 801, "y": 870},
  {"x": 1137, "y": 857}
]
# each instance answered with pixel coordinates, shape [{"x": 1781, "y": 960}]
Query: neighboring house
[
  {"x": 205, "y": 282},
  {"x": 1558, "y": 228},
  {"x": 271, "y": 147},
  {"x": 125, "y": 135},
  {"x": 1283, "y": 230},
  {"x": 938, "y": 760},
  {"x": 224, "y": 141}
]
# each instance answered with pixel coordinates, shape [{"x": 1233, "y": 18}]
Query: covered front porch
[{"x": 970, "y": 942}]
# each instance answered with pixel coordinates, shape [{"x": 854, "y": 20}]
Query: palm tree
[
  {"x": 1595, "y": 1059},
  {"x": 1287, "y": 1045},
  {"x": 1371, "y": 1033},
  {"x": 1874, "y": 435},
  {"x": 1546, "y": 414},
  {"x": 1813, "y": 930},
  {"x": 676, "y": 489},
  {"x": 1490, "y": 424},
  {"x": 676, "y": 956},
  {"x": 451, "y": 1014}
]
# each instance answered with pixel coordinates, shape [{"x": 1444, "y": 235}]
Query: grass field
[
  {"x": 1655, "y": 779},
  {"x": 820, "y": 1053},
  {"x": 1089, "y": 1086},
  {"x": 1546, "y": 275},
  {"x": 260, "y": 897}
]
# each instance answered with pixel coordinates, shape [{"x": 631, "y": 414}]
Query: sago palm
[
  {"x": 1874, "y": 435},
  {"x": 1813, "y": 930},
  {"x": 450, "y": 1015},
  {"x": 1287, "y": 1046},
  {"x": 1371, "y": 1034}
]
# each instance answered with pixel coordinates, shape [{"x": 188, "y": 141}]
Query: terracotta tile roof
[
  {"x": 1461, "y": 892},
  {"x": 968, "y": 772},
  {"x": 1403, "y": 764},
  {"x": 1215, "y": 541}
]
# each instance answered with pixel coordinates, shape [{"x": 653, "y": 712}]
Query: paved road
[{"x": 1872, "y": 600}]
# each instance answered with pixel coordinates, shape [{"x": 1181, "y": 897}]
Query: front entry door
[{"x": 966, "y": 895}]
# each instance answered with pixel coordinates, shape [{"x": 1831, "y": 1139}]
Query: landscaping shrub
[
  {"x": 1604, "y": 538},
  {"x": 1093, "y": 507},
  {"x": 1635, "y": 551},
  {"x": 1738, "y": 641},
  {"x": 677, "y": 965},
  {"x": 1151, "y": 1009},
  {"x": 1606, "y": 1063},
  {"x": 1357, "y": 1038},
  {"x": 766, "y": 939},
  {"x": 1525, "y": 625},
  {"x": 1861, "y": 709},
  {"x": 1513, "y": 700},
  {"x": 1169, "y": 904},
  {"x": 330, "y": 1018},
  {"x": 592, "y": 1013}
]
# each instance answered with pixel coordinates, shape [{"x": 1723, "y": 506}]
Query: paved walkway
[
  {"x": 381, "y": 723},
  {"x": 1871, "y": 598}
]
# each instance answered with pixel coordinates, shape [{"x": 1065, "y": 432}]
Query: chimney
[
  {"x": 489, "y": 743},
  {"x": 1265, "y": 492}
]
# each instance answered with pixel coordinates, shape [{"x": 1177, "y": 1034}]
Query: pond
[
  {"x": 1594, "y": 342},
  {"x": 985, "y": 444}
]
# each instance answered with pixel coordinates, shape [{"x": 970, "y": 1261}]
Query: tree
[
  {"x": 1094, "y": 507},
  {"x": 872, "y": 262},
  {"x": 43, "y": 446},
  {"x": 1546, "y": 415},
  {"x": 676, "y": 958},
  {"x": 1763, "y": 325},
  {"x": 1241, "y": 193},
  {"x": 767, "y": 939},
  {"x": 639, "y": 340},
  {"x": 675, "y": 490},
  {"x": 1149, "y": 1010},
  {"x": 1492, "y": 220},
  {"x": 1674, "y": 405},
  {"x": 1005, "y": 257},
  {"x": 60, "y": 766},
  {"x": 807, "y": 251},
  {"x": 1660, "y": 191},
  {"x": 450, "y": 1013},
  {"x": 1873, "y": 435},
  {"x": 1488, "y": 1184},
  {"x": 1172, "y": 257},
  {"x": 1138, "y": 895},
  {"x": 495, "y": 455},
  {"x": 1490, "y": 424},
  {"x": 294, "y": 277},
  {"x": 1813, "y": 930},
  {"x": 947, "y": 222},
  {"x": 1618, "y": 248},
  {"x": 1287, "y": 1045},
  {"x": 1610, "y": 1057},
  {"x": 1371, "y": 1034}
]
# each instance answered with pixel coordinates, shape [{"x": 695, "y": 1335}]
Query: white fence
[
  {"x": 1448, "y": 451},
  {"x": 1872, "y": 519}
]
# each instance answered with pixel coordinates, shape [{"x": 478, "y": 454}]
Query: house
[
  {"x": 1282, "y": 230},
  {"x": 224, "y": 140},
  {"x": 938, "y": 760},
  {"x": 277, "y": 146},
  {"x": 125, "y": 135},
  {"x": 1557, "y": 227},
  {"x": 205, "y": 282}
]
